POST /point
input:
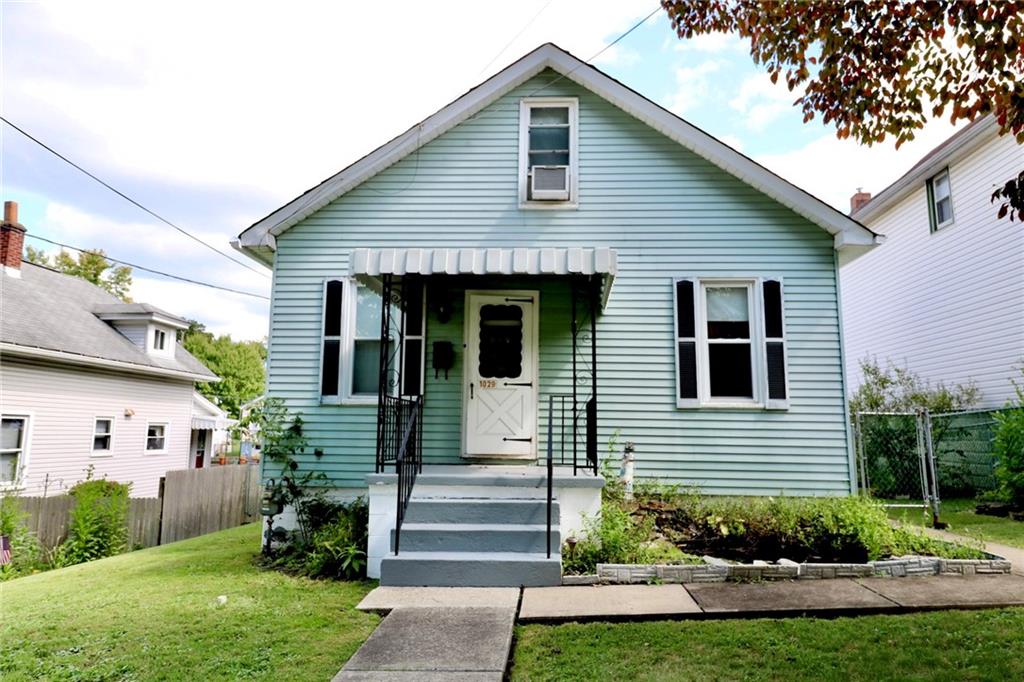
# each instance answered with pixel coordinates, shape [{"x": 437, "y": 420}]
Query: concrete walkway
[{"x": 465, "y": 633}]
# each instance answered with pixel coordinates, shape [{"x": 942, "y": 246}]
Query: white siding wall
[
  {"x": 949, "y": 305},
  {"x": 63, "y": 403}
]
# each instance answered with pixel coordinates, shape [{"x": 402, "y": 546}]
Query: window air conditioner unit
[{"x": 549, "y": 183}]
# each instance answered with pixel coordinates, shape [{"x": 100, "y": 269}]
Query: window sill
[
  {"x": 349, "y": 401},
  {"x": 548, "y": 205},
  {"x": 101, "y": 455},
  {"x": 155, "y": 452},
  {"x": 943, "y": 226},
  {"x": 757, "y": 407}
]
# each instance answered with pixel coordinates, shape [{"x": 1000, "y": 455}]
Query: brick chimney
[
  {"x": 858, "y": 200},
  {"x": 12, "y": 240}
]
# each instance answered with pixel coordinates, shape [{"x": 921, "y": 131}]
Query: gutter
[{"x": 87, "y": 361}]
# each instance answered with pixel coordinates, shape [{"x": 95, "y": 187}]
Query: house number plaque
[{"x": 488, "y": 383}]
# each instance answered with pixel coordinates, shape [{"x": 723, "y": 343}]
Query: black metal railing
[
  {"x": 576, "y": 440},
  {"x": 551, "y": 467},
  {"x": 403, "y": 435}
]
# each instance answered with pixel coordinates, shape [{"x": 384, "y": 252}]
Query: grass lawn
[
  {"x": 941, "y": 645},
  {"x": 154, "y": 615},
  {"x": 960, "y": 516}
]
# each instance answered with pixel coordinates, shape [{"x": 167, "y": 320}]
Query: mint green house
[{"x": 566, "y": 265}]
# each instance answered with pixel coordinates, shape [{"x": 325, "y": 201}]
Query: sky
[{"x": 215, "y": 114}]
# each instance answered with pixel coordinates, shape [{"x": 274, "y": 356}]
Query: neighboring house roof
[
  {"x": 208, "y": 415},
  {"x": 258, "y": 241},
  {"x": 52, "y": 315},
  {"x": 140, "y": 311},
  {"x": 957, "y": 146}
]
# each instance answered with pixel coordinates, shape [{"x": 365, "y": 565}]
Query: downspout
[{"x": 851, "y": 455}]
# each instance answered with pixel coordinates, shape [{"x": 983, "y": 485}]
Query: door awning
[{"x": 370, "y": 264}]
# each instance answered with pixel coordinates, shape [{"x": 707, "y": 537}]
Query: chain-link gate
[{"x": 896, "y": 459}]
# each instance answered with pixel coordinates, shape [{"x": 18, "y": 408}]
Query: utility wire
[
  {"x": 144, "y": 268},
  {"x": 128, "y": 198},
  {"x": 515, "y": 38}
]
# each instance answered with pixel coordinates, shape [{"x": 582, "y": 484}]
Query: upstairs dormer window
[
  {"x": 548, "y": 141},
  {"x": 159, "y": 339},
  {"x": 940, "y": 201}
]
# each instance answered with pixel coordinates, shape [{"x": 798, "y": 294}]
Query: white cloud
[
  {"x": 761, "y": 102},
  {"x": 692, "y": 86},
  {"x": 733, "y": 141},
  {"x": 242, "y": 317},
  {"x": 715, "y": 43},
  {"x": 833, "y": 169},
  {"x": 267, "y": 97}
]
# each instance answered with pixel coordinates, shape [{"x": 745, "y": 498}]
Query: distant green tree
[
  {"x": 92, "y": 266},
  {"x": 239, "y": 364}
]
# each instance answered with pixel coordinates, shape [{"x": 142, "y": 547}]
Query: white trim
[
  {"x": 421, "y": 336},
  {"x": 757, "y": 340},
  {"x": 848, "y": 233},
  {"x": 109, "y": 452},
  {"x": 326, "y": 399},
  {"x": 470, "y": 342},
  {"x": 75, "y": 359},
  {"x": 26, "y": 442},
  {"x": 933, "y": 203},
  {"x": 525, "y": 105},
  {"x": 167, "y": 433}
]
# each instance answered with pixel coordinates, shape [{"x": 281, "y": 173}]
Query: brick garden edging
[{"x": 908, "y": 566}]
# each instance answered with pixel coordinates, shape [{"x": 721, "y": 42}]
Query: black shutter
[
  {"x": 330, "y": 357},
  {"x": 686, "y": 340},
  {"x": 775, "y": 344}
]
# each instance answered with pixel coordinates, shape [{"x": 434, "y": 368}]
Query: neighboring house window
[
  {"x": 730, "y": 343},
  {"x": 940, "y": 201},
  {"x": 350, "y": 351},
  {"x": 156, "y": 437},
  {"x": 13, "y": 434},
  {"x": 548, "y": 154},
  {"x": 159, "y": 339},
  {"x": 102, "y": 435}
]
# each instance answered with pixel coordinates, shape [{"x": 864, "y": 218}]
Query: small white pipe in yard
[{"x": 626, "y": 475}]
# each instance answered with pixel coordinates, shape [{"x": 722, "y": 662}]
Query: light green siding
[{"x": 668, "y": 213}]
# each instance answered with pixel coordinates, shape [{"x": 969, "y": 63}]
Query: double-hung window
[
  {"x": 13, "y": 442},
  {"x": 156, "y": 438},
  {"x": 351, "y": 345},
  {"x": 730, "y": 343},
  {"x": 548, "y": 154},
  {"x": 102, "y": 435},
  {"x": 159, "y": 339},
  {"x": 940, "y": 201}
]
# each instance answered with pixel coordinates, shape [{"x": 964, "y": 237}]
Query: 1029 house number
[{"x": 488, "y": 383}]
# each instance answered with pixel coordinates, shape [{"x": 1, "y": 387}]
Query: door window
[{"x": 501, "y": 342}]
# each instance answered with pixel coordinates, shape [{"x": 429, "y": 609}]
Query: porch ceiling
[{"x": 370, "y": 264}]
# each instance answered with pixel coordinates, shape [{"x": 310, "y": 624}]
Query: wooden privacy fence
[{"x": 193, "y": 502}]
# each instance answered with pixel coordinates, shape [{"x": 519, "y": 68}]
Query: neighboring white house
[
  {"x": 87, "y": 381},
  {"x": 944, "y": 295},
  {"x": 210, "y": 431}
]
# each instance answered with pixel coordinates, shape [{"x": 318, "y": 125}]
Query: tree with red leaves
[{"x": 875, "y": 68}]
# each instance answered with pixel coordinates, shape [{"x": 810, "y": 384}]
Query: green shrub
[
  {"x": 1008, "y": 446},
  {"x": 830, "y": 529},
  {"x": 618, "y": 537},
  {"x": 26, "y": 554},
  {"x": 98, "y": 523},
  {"x": 336, "y": 546}
]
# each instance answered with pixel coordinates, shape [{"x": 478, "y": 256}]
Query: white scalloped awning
[{"x": 370, "y": 264}]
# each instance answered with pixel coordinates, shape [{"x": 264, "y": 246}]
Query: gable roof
[
  {"x": 48, "y": 314},
  {"x": 956, "y": 146},
  {"x": 258, "y": 241}
]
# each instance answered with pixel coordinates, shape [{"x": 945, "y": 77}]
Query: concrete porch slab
[
  {"x": 605, "y": 601},
  {"x": 789, "y": 596},
  {"x": 950, "y": 591},
  {"x": 435, "y": 643},
  {"x": 386, "y": 598}
]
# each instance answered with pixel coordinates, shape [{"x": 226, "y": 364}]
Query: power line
[
  {"x": 128, "y": 198},
  {"x": 516, "y": 37},
  {"x": 144, "y": 268}
]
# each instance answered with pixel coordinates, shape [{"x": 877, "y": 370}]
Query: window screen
[{"x": 730, "y": 366}]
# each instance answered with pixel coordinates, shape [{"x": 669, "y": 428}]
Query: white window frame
[
  {"x": 159, "y": 339},
  {"x": 525, "y": 105},
  {"x": 109, "y": 452},
  {"x": 933, "y": 208},
  {"x": 757, "y": 341},
  {"x": 23, "y": 453},
  {"x": 346, "y": 283},
  {"x": 167, "y": 430}
]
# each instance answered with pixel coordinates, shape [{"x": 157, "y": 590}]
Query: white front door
[{"x": 500, "y": 392}]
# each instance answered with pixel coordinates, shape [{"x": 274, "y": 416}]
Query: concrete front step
[
  {"x": 477, "y": 537},
  {"x": 471, "y": 569},
  {"x": 480, "y": 511}
]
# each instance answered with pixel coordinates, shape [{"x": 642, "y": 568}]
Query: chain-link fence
[{"x": 914, "y": 459}]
